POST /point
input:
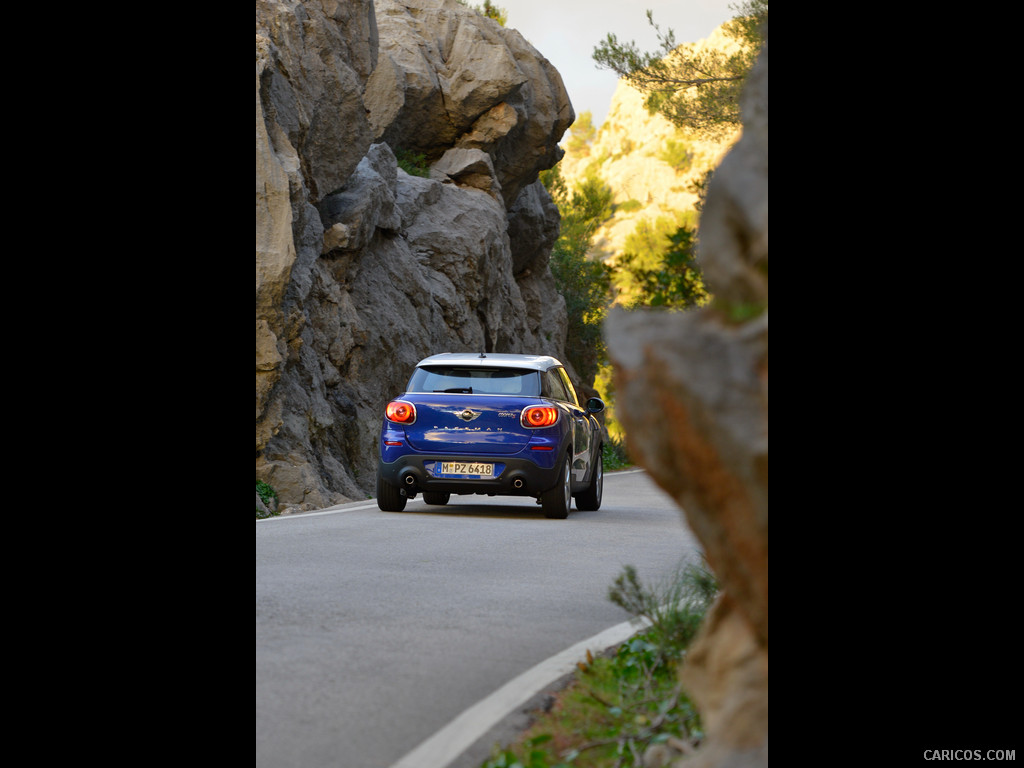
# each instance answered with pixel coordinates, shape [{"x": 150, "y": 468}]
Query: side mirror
[{"x": 595, "y": 405}]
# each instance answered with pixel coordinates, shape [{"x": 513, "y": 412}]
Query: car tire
[
  {"x": 590, "y": 499},
  {"x": 389, "y": 498},
  {"x": 434, "y": 497},
  {"x": 557, "y": 501}
]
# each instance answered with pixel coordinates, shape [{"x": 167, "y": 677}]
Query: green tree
[
  {"x": 584, "y": 283},
  {"x": 694, "y": 89},
  {"x": 592, "y": 200},
  {"x": 678, "y": 154},
  {"x": 582, "y": 134},
  {"x": 658, "y": 268}
]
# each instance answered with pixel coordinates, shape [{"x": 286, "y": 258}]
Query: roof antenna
[{"x": 482, "y": 355}]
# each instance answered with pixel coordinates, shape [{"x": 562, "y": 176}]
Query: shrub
[
  {"x": 614, "y": 454},
  {"x": 676, "y": 154},
  {"x": 658, "y": 266},
  {"x": 583, "y": 283},
  {"x": 629, "y": 206},
  {"x": 675, "y": 609},
  {"x": 619, "y": 705},
  {"x": 269, "y": 498},
  {"x": 413, "y": 163}
]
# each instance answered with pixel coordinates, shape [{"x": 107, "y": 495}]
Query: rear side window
[
  {"x": 558, "y": 387},
  {"x": 476, "y": 381}
]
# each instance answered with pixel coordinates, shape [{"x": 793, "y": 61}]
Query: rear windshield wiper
[{"x": 463, "y": 390}]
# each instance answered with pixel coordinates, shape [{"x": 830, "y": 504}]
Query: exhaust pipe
[
  {"x": 518, "y": 483},
  {"x": 409, "y": 479}
]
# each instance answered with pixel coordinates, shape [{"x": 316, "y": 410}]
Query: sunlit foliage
[
  {"x": 658, "y": 265},
  {"x": 585, "y": 284},
  {"x": 694, "y": 88},
  {"x": 490, "y": 10},
  {"x": 582, "y": 134}
]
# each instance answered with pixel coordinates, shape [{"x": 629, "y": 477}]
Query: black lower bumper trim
[{"x": 520, "y": 477}]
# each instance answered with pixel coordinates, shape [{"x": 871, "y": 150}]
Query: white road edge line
[
  {"x": 461, "y": 733},
  {"x": 329, "y": 511}
]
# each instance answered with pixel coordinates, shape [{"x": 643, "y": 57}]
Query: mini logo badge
[{"x": 468, "y": 415}]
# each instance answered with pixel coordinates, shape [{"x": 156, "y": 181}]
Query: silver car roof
[{"x": 491, "y": 360}]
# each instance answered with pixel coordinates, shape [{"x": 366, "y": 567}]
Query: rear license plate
[{"x": 467, "y": 468}]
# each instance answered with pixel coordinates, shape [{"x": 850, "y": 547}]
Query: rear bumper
[{"x": 513, "y": 475}]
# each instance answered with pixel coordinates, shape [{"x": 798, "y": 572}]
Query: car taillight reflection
[
  {"x": 539, "y": 416},
  {"x": 401, "y": 412}
]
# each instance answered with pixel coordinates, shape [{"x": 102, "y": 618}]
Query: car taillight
[
  {"x": 401, "y": 412},
  {"x": 539, "y": 416}
]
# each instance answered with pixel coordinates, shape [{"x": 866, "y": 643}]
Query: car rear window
[{"x": 476, "y": 381}]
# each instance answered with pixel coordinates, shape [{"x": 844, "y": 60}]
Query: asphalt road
[{"x": 376, "y": 630}]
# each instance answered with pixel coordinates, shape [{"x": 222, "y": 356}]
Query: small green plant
[
  {"x": 614, "y": 454},
  {"x": 532, "y": 758},
  {"x": 413, "y": 163},
  {"x": 269, "y": 498},
  {"x": 629, "y": 206},
  {"x": 489, "y": 10},
  {"x": 620, "y": 704},
  {"x": 675, "y": 609},
  {"x": 676, "y": 154},
  {"x": 737, "y": 312}
]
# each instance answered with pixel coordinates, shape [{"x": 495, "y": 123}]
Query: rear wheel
[
  {"x": 557, "y": 501},
  {"x": 590, "y": 499},
  {"x": 389, "y": 498},
  {"x": 434, "y": 497}
]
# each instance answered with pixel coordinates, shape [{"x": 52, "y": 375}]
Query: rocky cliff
[{"x": 363, "y": 269}]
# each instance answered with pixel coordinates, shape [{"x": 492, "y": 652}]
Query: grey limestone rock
[{"x": 362, "y": 269}]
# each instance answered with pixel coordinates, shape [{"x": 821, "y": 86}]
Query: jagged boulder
[
  {"x": 693, "y": 395},
  {"x": 533, "y": 229},
  {"x": 313, "y": 60},
  {"x": 468, "y": 167},
  {"x": 363, "y": 269},
  {"x": 352, "y": 215},
  {"x": 449, "y": 77}
]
